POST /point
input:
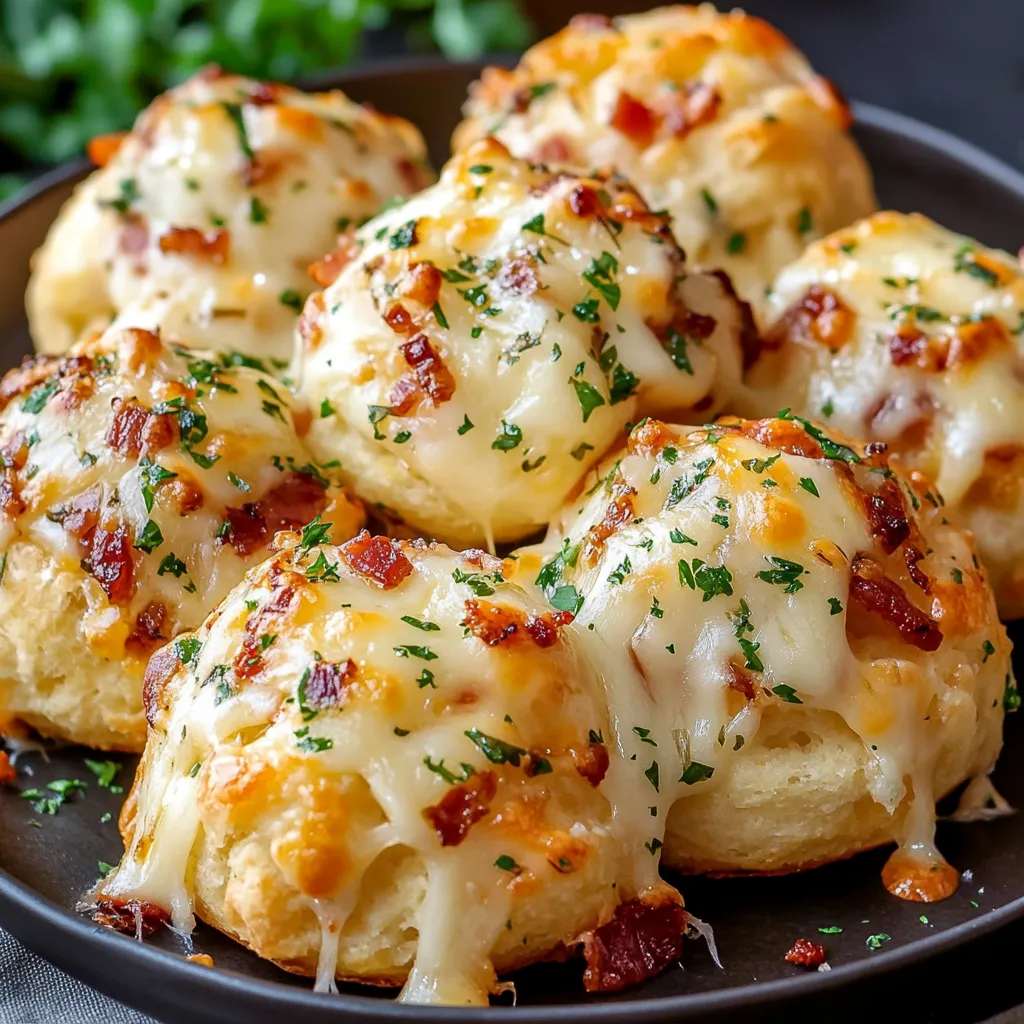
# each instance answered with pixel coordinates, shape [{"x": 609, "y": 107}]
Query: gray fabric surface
[{"x": 33, "y": 992}]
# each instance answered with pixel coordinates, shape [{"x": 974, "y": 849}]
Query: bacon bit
[
  {"x": 651, "y": 439},
  {"x": 134, "y": 238},
  {"x": 297, "y": 500},
  {"x": 619, "y": 511},
  {"x": 909, "y": 345},
  {"x": 554, "y": 150},
  {"x": 109, "y": 562},
  {"x": 325, "y": 271},
  {"x": 136, "y": 431},
  {"x": 377, "y": 558},
  {"x": 132, "y": 917},
  {"x": 692, "y": 107},
  {"x": 634, "y": 120},
  {"x": 461, "y": 807},
  {"x": 519, "y": 276},
  {"x": 543, "y": 629},
  {"x": 741, "y": 681},
  {"x": 184, "y": 494},
  {"x": 22, "y": 379},
  {"x": 147, "y": 635},
  {"x": 584, "y": 201},
  {"x": 977, "y": 340},
  {"x": 214, "y": 246},
  {"x": 399, "y": 319},
  {"x": 430, "y": 378},
  {"x": 873, "y": 591},
  {"x": 912, "y": 556},
  {"x": 785, "y": 435},
  {"x": 806, "y": 954},
  {"x": 139, "y": 348},
  {"x": 422, "y": 284},
  {"x": 101, "y": 149},
  {"x": 640, "y": 941},
  {"x": 919, "y": 880},
  {"x": 887, "y": 515},
  {"x": 310, "y": 325},
  {"x": 592, "y": 762},
  {"x": 820, "y": 317},
  {"x": 81, "y": 515},
  {"x": 248, "y": 661},
  {"x": 494, "y": 624},
  {"x": 160, "y": 669},
  {"x": 7, "y": 773},
  {"x": 325, "y": 685}
]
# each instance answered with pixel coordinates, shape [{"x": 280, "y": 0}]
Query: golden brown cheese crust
[
  {"x": 715, "y": 117},
  {"x": 223, "y": 193},
  {"x": 139, "y": 481},
  {"x": 344, "y": 774},
  {"x": 476, "y": 349},
  {"x": 898, "y": 330},
  {"x": 814, "y": 639}
]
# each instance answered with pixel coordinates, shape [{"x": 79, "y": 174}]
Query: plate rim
[{"x": 84, "y": 949}]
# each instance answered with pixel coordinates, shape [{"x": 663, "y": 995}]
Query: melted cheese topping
[
  {"x": 226, "y": 190},
  {"x": 394, "y": 686},
  {"x": 148, "y": 474},
  {"x": 490, "y": 338},
  {"x": 716, "y": 118},
  {"x": 924, "y": 353},
  {"x": 716, "y": 571}
]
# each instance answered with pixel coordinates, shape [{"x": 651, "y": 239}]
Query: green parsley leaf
[{"x": 510, "y": 437}]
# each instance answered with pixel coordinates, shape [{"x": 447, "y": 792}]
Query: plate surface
[{"x": 48, "y": 863}]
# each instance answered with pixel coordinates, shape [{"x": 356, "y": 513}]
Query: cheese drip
[{"x": 427, "y": 784}]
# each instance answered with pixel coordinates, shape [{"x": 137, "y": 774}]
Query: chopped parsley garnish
[
  {"x": 414, "y": 651},
  {"x": 151, "y": 538},
  {"x": 291, "y": 299},
  {"x": 956, "y": 575},
  {"x": 507, "y": 863},
  {"x": 511, "y": 436},
  {"x": 588, "y": 396},
  {"x": 39, "y": 396},
  {"x": 783, "y": 573},
  {"x": 105, "y": 771},
  {"x": 965, "y": 262},
  {"x": 741, "y": 626},
  {"x": 656, "y": 612},
  {"x": 676, "y": 348},
  {"x": 678, "y": 537},
  {"x": 804, "y": 222},
  {"x": 426, "y": 678},
  {"x": 621, "y": 571},
  {"x": 835, "y": 606},
  {"x": 760, "y": 465},
  {"x": 314, "y": 744},
  {"x": 128, "y": 193},
  {"x": 467, "y": 425},
  {"x": 498, "y": 751},
  {"x": 322, "y": 571},
  {"x": 315, "y": 533},
  {"x": 696, "y": 772},
  {"x": 62, "y": 790},
  {"x": 832, "y": 929},
  {"x": 586, "y": 311},
  {"x": 258, "y": 210},
  {"x": 652, "y": 775},
  {"x": 709, "y": 201},
  {"x": 601, "y": 275},
  {"x": 1011, "y": 697},
  {"x": 644, "y": 734},
  {"x": 580, "y": 451},
  {"x": 809, "y": 485},
  {"x": 563, "y": 596},
  {"x": 684, "y": 486},
  {"x": 451, "y": 778},
  {"x": 736, "y": 243},
  {"x": 481, "y": 583},
  {"x": 326, "y": 409},
  {"x": 152, "y": 476},
  {"x": 786, "y": 693},
  {"x": 877, "y": 941},
  {"x": 711, "y": 580},
  {"x": 404, "y": 237},
  {"x": 427, "y": 627},
  {"x": 829, "y": 449}
]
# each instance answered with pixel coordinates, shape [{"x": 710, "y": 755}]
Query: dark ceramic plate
[{"x": 47, "y": 863}]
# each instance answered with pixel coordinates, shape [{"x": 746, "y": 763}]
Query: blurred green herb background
[{"x": 71, "y": 69}]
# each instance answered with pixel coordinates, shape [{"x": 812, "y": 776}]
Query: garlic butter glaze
[
  {"x": 817, "y": 650},
  {"x": 899, "y": 330},
  {"x": 384, "y": 762},
  {"x": 223, "y": 193},
  {"x": 481, "y": 345},
  {"x": 138, "y": 484},
  {"x": 715, "y": 117}
]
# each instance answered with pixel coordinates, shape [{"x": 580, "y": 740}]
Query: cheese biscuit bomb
[
  {"x": 900, "y": 331},
  {"x": 221, "y": 196},
  {"x": 715, "y": 118},
  {"x": 483, "y": 344},
  {"x": 139, "y": 482},
  {"x": 818, "y": 654},
  {"x": 382, "y": 762}
]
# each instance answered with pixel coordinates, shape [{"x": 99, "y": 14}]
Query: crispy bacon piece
[
  {"x": 136, "y": 431},
  {"x": 592, "y": 762},
  {"x": 159, "y": 670},
  {"x": 634, "y": 120},
  {"x": 413, "y": 175},
  {"x": 873, "y": 591},
  {"x": 820, "y": 317},
  {"x": 786, "y": 435},
  {"x": 399, "y": 319},
  {"x": 109, "y": 562},
  {"x": 805, "y": 953},
  {"x": 310, "y": 325},
  {"x": 295, "y": 501},
  {"x": 377, "y": 558},
  {"x": 887, "y": 515},
  {"x": 692, "y": 107},
  {"x": 909, "y": 346},
  {"x": 619, "y": 511},
  {"x": 214, "y": 246},
  {"x": 461, "y": 807},
  {"x": 148, "y": 633},
  {"x": 422, "y": 284},
  {"x": 543, "y": 628},
  {"x": 554, "y": 150},
  {"x": 651, "y": 438},
  {"x": 134, "y": 237},
  {"x": 101, "y": 149},
  {"x": 742, "y": 681},
  {"x": 132, "y": 917},
  {"x": 249, "y": 659},
  {"x": 7, "y": 773},
  {"x": 495, "y": 623},
  {"x": 81, "y": 515},
  {"x": 912, "y": 556},
  {"x": 976, "y": 340},
  {"x": 640, "y": 941},
  {"x": 430, "y": 378},
  {"x": 325, "y": 271},
  {"x": 584, "y": 201},
  {"x": 325, "y": 685},
  {"x": 22, "y": 379}
]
